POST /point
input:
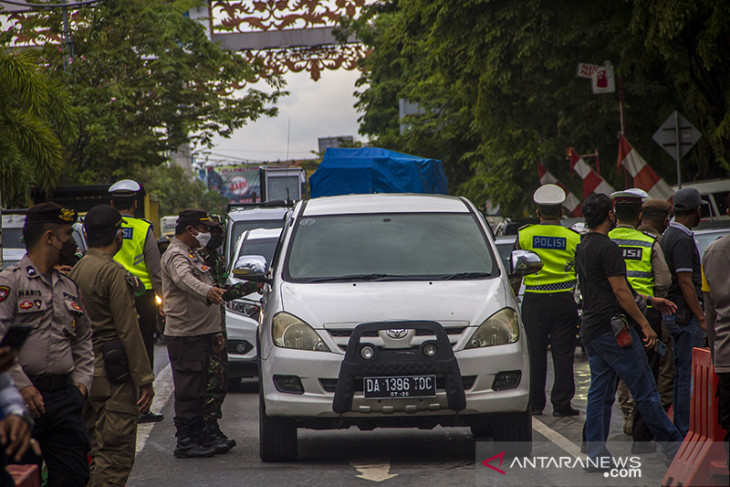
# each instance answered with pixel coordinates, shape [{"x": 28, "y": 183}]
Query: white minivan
[{"x": 390, "y": 310}]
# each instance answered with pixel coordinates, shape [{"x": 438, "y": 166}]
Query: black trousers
[
  {"x": 63, "y": 438},
  {"x": 723, "y": 408},
  {"x": 641, "y": 430},
  {"x": 147, "y": 311},
  {"x": 551, "y": 319},
  {"x": 189, "y": 358}
]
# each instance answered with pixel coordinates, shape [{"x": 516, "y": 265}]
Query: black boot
[
  {"x": 215, "y": 435},
  {"x": 190, "y": 439}
]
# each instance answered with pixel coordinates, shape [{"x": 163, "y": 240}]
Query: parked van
[{"x": 714, "y": 191}]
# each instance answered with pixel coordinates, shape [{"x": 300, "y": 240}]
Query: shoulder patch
[{"x": 4, "y": 293}]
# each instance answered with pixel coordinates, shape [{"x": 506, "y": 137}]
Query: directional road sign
[{"x": 675, "y": 132}]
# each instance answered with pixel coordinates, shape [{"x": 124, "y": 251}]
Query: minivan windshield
[{"x": 388, "y": 247}]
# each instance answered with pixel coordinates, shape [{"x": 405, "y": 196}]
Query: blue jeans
[
  {"x": 684, "y": 338},
  {"x": 608, "y": 362}
]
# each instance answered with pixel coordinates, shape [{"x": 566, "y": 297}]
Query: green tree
[
  {"x": 145, "y": 79},
  {"x": 496, "y": 84},
  {"x": 36, "y": 120}
]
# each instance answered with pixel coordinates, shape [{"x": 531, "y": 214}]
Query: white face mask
[{"x": 203, "y": 238}]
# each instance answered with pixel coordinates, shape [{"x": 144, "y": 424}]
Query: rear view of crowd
[{"x": 645, "y": 307}]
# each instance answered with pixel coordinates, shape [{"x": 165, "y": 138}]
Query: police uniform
[
  {"x": 140, "y": 255},
  {"x": 192, "y": 325},
  {"x": 549, "y": 311},
  {"x": 648, "y": 274},
  {"x": 111, "y": 412},
  {"x": 57, "y": 354}
]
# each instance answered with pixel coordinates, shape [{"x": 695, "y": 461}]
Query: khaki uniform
[
  {"x": 58, "y": 352},
  {"x": 111, "y": 413},
  {"x": 186, "y": 280},
  {"x": 191, "y": 326}
]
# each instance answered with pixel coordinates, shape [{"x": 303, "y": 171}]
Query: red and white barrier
[
  {"x": 644, "y": 176},
  {"x": 592, "y": 182}
]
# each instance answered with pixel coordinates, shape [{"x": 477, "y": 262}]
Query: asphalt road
[{"x": 397, "y": 457}]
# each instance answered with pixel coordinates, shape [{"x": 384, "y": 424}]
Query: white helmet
[{"x": 124, "y": 187}]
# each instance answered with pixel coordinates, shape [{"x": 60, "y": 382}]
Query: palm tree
[{"x": 36, "y": 123}]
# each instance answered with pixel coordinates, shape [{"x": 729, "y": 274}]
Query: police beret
[
  {"x": 656, "y": 206},
  {"x": 50, "y": 213},
  {"x": 193, "y": 216},
  {"x": 102, "y": 219}
]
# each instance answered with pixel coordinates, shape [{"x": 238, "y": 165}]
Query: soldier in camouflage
[{"x": 217, "y": 382}]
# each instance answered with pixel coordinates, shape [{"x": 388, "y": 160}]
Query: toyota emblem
[{"x": 397, "y": 333}]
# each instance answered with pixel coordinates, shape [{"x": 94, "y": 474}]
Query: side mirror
[
  {"x": 523, "y": 263},
  {"x": 251, "y": 268}
]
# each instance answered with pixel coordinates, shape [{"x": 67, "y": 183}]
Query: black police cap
[
  {"x": 50, "y": 213},
  {"x": 194, "y": 216},
  {"x": 102, "y": 219}
]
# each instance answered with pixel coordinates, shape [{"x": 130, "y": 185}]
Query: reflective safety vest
[
  {"x": 131, "y": 256},
  {"x": 636, "y": 247},
  {"x": 555, "y": 245}
]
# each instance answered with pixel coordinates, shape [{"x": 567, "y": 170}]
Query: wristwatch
[{"x": 23, "y": 414}]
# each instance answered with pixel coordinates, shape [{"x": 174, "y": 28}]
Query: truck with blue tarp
[{"x": 374, "y": 170}]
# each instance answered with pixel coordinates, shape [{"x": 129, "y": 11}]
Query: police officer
[
  {"x": 191, "y": 301},
  {"x": 140, "y": 255},
  {"x": 549, "y": 310},
  {"x": 648, "y": 274},
  {"x": 122, "y": 385},
  {"x": 55, "y": 367}
]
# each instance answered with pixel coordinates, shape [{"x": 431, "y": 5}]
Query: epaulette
[
  {"x": 648, "y": 234},
  {"x": 524, "y": 226},
  {"x": 572, "y": 230}
]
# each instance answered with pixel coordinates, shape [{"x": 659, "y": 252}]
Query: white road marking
[
  {"x": 376, "y": 472},
  {"x": 555, "y": 437},
  {"x": 163, "y": 390}
]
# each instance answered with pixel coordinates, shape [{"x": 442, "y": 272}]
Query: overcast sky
[{"x": 315, "y": 109}]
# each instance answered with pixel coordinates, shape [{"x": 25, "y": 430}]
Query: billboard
[{"x": 237, "y": 183}]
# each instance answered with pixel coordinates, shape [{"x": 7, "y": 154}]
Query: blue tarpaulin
[{"x": 373, "y": 170}]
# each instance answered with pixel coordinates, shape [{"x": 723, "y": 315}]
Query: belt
[{"x": 48, "y": 383}]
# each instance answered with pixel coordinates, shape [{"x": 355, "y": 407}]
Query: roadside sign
[
  {"x": 602, "y": 79},
  {"x": 677, "y": 136},
  {"x": 586, "y": 70},
  {"x": 676, "y": 131}
]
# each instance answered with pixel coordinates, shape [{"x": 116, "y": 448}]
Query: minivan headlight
[
  {"x": 499, "y": 329},
  {"x": 290, "y": 332}
]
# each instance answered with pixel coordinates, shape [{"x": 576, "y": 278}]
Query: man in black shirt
[
  {"x": 607, "y": 295},
  {"x": 687, "y": 327}
]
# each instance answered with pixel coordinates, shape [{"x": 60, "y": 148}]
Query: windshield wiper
[
  {"x": 356, "y": 277},
  {"x": 467, "y": 275}
]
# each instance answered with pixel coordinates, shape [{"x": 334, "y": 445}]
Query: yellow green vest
[
  {"x": 636, "y": 248},
  {"x": 555, "y": 245},
  {"x": 131, "y": 256}
]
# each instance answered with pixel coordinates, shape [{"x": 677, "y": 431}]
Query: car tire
[
  {"x": 512, "y": 428},
  {"x": 277, "y": 436}
]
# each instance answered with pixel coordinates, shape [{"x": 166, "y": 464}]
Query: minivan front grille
[{"x": 341, "y": 336}]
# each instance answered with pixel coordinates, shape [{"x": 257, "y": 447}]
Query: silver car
[
  {"x": 242, "y": 315},
  {"x": 390, "y": 310}
]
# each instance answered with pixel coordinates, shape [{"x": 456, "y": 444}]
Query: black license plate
[{"x": 399, "y": 386}]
